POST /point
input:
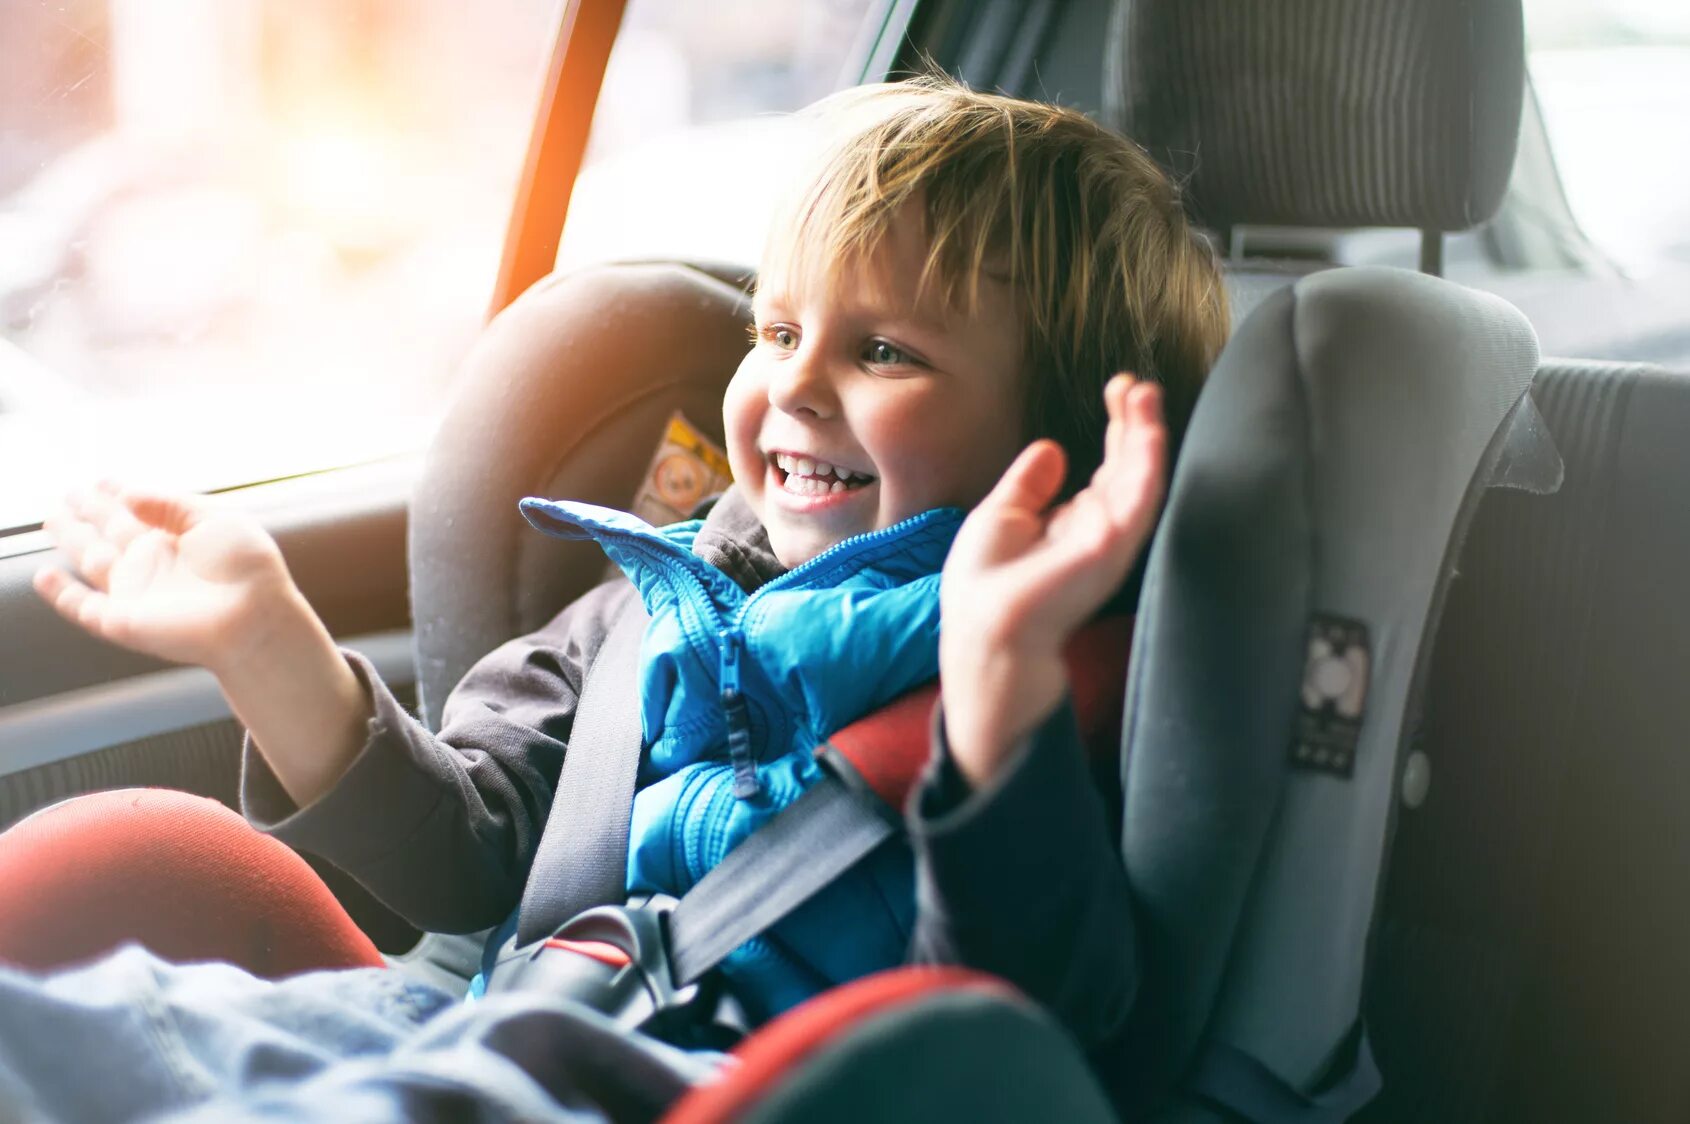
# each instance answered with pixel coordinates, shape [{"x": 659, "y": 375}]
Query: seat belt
[
  {"x": 783, "y": 864},
  {"x": 582, "y": 859}
]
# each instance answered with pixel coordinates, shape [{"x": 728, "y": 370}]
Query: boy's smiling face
[{"x": 860, "y": 405}]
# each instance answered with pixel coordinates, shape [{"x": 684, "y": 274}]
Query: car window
[
  {"x": 1613, "y": 85},
  {"x": 1612, "y": 89},
  {"x": 687, "y": 138},
  {"x": 243, "y": 239}
]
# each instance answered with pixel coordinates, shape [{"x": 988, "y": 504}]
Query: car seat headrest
[
  {"x": 567, "y": 393},
  {"x": 1337, "y": 113},
  {"x": 1289, "y": 599}
]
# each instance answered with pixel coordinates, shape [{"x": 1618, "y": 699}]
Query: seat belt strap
[
  {"x": 582, "y": 859},
  {"x": 783, "y": 864},
  {"x": 1227, "y": 1076}
]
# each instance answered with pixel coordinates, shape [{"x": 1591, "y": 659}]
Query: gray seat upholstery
[
  {"x": 1327, "y": 469},
  {"x": 1321, "y": 113},
  {"x": 566, "y": 393},
  {"x": 1530, "y": 956},
  {"x": 1528, "y": 952}
]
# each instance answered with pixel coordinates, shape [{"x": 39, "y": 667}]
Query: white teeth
[
  {"x": 798, "y": 468},
  {"x": 806, "y": 485}
]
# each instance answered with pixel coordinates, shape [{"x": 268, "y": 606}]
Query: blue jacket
[{"x": 738, "y": 689}]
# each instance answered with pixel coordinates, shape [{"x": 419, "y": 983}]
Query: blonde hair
[{"x": 1108, "y": 273}]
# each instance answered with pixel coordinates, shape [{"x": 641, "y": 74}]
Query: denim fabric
[{"x": 132, "y": 1037}]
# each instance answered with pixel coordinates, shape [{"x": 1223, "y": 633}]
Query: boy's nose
[{"x": 802, "y": 386}]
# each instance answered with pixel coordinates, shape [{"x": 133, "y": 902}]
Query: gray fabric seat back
[
  {"x": 566, "y": 394},
  {"x": 1324, "y": 476},
  {"x": 1329, "y": 470}
]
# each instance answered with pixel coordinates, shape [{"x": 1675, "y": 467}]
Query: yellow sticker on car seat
[{"x": 686, "y": 467}]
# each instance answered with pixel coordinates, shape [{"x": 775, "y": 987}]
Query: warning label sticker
[
  {"x": 1334, "y": 696},
  {"x": 686, "y": 467}
]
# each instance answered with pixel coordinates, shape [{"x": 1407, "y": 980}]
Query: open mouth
[{"x": 803, "y": 476}]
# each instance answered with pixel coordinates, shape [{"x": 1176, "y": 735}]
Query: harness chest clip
[{"x": 615, "y": 959}]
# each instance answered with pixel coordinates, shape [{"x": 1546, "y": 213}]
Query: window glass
[
  {"x": 687, "y": 139},
  {"x": 241, "y": 239},
  {"x": 1613, "y": 82}
]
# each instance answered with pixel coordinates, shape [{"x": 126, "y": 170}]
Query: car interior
[{"x": 1457, "y": 901}]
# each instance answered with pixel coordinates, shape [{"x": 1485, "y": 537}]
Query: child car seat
[
  {"x": 1318, "y": 491},
  {"x": 1332, "y": 456},
  {"x": 1322, "y": 483},
  {"x": 1327, "y": 114}
]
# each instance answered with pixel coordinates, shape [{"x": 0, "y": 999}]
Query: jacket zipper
[
  {"x": 732, "y": 638},
  {"x": 734, "y": 710}
]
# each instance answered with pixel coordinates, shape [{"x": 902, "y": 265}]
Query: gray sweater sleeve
[
  {"x": 443, "y": 828},
  {"x": 1022, "y": 879}
]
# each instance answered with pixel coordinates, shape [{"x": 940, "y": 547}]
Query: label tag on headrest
[
  {"x": 686, "y": 467},
  {"x": 1333, "y": 696}
]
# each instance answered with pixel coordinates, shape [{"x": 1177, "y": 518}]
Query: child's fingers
[
  {"x": 1141, "y": 404},
  {"x": 1114, "y": 405},
  {"x": 1115, "y": 393},
  {"x": 97, "y": 562},
  {"x": 1133, "y": 405},
  {"x": 72, "y": 599},
  {"x": 92, "y": 505},
  {"x": 1135, "y": 476},
  {"x": 116, "y": 523},
  {"x": 71, "y": 535},
  {"x": 83, "y": 543},
  {"x": 171, "y": 513},
  {"x": 1031, "y": 481},
  {"x": 1135, "y": 409}
]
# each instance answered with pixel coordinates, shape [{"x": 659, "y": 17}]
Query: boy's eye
[
  {"x": 884, "y": 354},
  {"x": 782, "y": 337}
]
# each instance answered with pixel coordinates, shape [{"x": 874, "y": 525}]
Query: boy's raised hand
[
  {"x": 1023, "y": 576},
  {"x": 182, "y": 579},
  {"x": 173, "y": 577}
]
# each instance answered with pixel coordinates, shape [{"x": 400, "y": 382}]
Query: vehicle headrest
[{"x": 1335, "y": 113}]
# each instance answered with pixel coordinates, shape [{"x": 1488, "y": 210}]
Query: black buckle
[{"x": 642, "y": 994}]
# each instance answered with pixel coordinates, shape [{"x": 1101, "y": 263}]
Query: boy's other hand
[
  {"x": 182, "y": 579},
  {"x": 171, "y": 576},
  {"x": 1023, "y": 576}
]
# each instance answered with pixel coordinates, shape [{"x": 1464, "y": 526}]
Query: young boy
[{"x": 958, "y": 275}]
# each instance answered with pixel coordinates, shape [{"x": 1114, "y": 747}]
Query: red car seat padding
[
  {"x": 888, "y": 749},
  {"x": 180, "y": 874},
  {"x": 920, "y": 1043}
]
